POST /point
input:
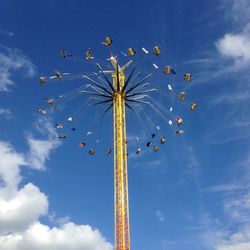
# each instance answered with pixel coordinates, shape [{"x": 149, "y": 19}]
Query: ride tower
[
  {"x": 121, "y": 202},
  {"x": 119, "y": 95}
]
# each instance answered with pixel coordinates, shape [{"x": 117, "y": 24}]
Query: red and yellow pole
[{"x": 121, "y": 203}]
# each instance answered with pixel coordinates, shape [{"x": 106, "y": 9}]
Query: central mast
[{"x": 121, "y": 204}]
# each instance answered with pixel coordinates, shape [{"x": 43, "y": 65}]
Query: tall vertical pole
[{"x": 121, "y": 204}]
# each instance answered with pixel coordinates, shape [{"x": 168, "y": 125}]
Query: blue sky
[{"x": 193, "y": 193}]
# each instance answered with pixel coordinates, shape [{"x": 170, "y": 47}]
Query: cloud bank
[
  {"x": 13, "y": 60},
  {"x": 22, "y": 205}
]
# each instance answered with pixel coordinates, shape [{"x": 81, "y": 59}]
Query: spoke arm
[
  {"x": 141, "y": 86},
  {"x": 107, "y": 109},
  {"x": 144, "y": 92},
  {"x": 117, "y": 77},
  {"x": 97, "y": 89},
  {"x": 128, "y": 80},
  {"x": 97, "y": 98},
  {"x": 102, "y": 102},
  {"x": 137, "y": 75},
  {"x": 136, "y": 101},
  {"x": 97, "y": 84},
  {"x": 139, "y": 83},
  {"x": 139, "y": 97},
  {"x": 94, "y": 93},
  {"x": 109, "y": 83},
  {"x": 127, "y": 105},
  {"x": 100, "y": 79}
]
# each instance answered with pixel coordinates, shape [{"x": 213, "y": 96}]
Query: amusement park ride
[{"x": 118, "y": 94}]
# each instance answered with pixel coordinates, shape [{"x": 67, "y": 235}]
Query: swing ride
[{"x": 119, "y": 91}]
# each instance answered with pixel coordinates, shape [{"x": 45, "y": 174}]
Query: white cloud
[
  {"x": 232, "y": 97},
  {"x": 18, "y": 208},
  {"x": 160, "y": 216},
  {"x": 22, "y": 205},
  {"x": 12, "y": 60},
  {"x": 236, "y": 47},
  {"x": 241, "y": 11},
  {"x": 10, "y": 163},
  {"x": 237, "y": 241},
  {"x": 22, "y": 209},
  {"x": 68, "y": 236},
  {"x": 192, "y": 169},
  {"x": 6, "y": 113},
  {"x": 237, "y": 235},
  {"x": 238, "y": 208},
  {"x": 58, "y": 220},
  {"x": 39, "y": 150},
  {"x": 5, "y": 32}
]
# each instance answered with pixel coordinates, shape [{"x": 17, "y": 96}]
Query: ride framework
[{"x": 118, "y": 94}]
